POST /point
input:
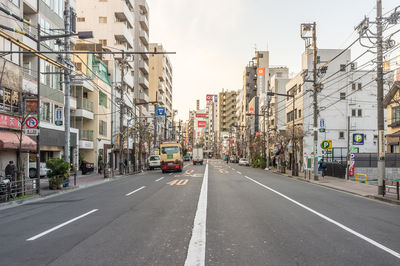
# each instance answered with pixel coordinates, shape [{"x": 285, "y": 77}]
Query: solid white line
[
  {"x": 239, "y": 172},
  {"x": 197, "y": 246},
  {"x": 159, "y": 179},
  {"x": 130, "y": 193},
  {"x": 369, "y": 240},
  {"x": 61, "y": 225}
]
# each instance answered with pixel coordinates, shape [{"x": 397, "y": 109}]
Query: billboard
[
  {"x": 201, "y": 124},
  {"x": 261, "y": 71},
  {"x": 212, "y": 98},
  {"x": 200, "y": 115}
]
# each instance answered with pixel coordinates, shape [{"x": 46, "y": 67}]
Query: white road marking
[
  {"x": 185, "y": 165},
  {"x": 161, "y": 178},
  {"x": 197, "y": 246},
  {"x": 369, "y": 240},
  {"x": 61, "y": 225},
  {"x": 130, "y": 193},
  {"x": 170, "y": 174},
  {"x": 239, "y": 172}
]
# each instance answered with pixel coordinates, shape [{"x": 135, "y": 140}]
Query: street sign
[
  {"x": 32, "y": 131},
  {"x": 322, "y": 130},
  {"x": 59, "y": 116},
  {"x": 31, "y": 122},
  {"x": 160, "y": 111},
  {"x": 358, "y": 139},
  {"x": 326, "y": 144},
  {"x": 322, "y": 123}
]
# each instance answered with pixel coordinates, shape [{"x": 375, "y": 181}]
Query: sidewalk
[{"x": 357, "y": 188}]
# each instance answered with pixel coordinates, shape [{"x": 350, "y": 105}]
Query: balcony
[
  {"x": 144, "y": 37},
  {"x": 72, "y": 102},
  {"x": 29, "y": 83},
  {"x": 124, "y": 13},
  {"x": 143, "y": 82},
  {"x": 144, "y": 6},
  {"x": 85, "y": 139},
  {"x": 84, "y": 109},
  {"x": 82, "y": 81},
  {"x": 128, "y": 78},
  {"x": 144, "y": 22},
  {"x": 122, "y": 34},
  {"x": 144, "y": 67},
  {"x": 30, "y": 6}
]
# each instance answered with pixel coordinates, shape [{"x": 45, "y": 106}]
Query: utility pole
[
  {"x": 268, "y": 105},
  {"x": 294, "y": 169},
  {"x": 379, "y": 79},
  {"x": 121, "y": 115},
  {"x": 67, "y": 76},
  {"x": 155, "y": 124},
  {"x": 348, "y": 149},
  {"x": 38, "y": 111},
  {"x": 315, "y": 125}
]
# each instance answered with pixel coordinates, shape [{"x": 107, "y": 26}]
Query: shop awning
[{"x": 10, "y": 141}]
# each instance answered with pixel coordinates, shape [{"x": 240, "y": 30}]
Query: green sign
[
  {"x": 170, "y": 156},
  {"x": 326, "y": 144},
  {"x": 322, "y": 130}
]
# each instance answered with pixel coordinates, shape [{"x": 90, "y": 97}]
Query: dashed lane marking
[
  {"x": 161, "y": 178},
  {"x": 130, "y": 193}
]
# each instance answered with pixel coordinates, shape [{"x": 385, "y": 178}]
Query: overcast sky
[{"x": 215, "y": 39}]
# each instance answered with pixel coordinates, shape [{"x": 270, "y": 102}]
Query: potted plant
[{"x": 59, "y": 173}]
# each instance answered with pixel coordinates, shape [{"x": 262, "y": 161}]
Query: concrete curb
[
  {"x": 37, "y": 198},
  {"x": 374, "y": 197}
]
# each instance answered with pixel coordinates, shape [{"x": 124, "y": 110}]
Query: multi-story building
[
  {"x": 91, "y": 109},
  {"x": 141, "y": 62},
  {"x": 344, "y": 99},
  {"x": 227, "y": 115},
  {"x": 392, "y": 105},
  {"x": 212, "y": 128},
  {"x": 22, "y": 70},
  {"x": 160, "y": 80},
  {"x": 122, "y": 25}
]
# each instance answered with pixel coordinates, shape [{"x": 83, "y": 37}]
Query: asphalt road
[{"x": 215, "y": 214}]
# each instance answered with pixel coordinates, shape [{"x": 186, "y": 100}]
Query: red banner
[
  {"x": 198, "y": 115},
  {"x": 209, "y": 97},
  {"x": 10, "y": 121},
  {"x": 201, "y": 123}
]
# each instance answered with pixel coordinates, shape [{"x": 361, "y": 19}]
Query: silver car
[{"x": 244, "y": 162}]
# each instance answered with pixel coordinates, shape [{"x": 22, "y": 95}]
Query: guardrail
[{"x": 394, "y": 185}]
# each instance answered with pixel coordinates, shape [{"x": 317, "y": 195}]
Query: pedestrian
[
  {"x": 323, "y": 166},
  {"x": 10, "y": 170}
]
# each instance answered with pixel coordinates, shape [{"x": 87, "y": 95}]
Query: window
[
  {"x": 103, "y": 128},
  {"x": 359, "y": 86},
  {"x": 318, "y": 59},
  {"x": 170, "y": 150},
  {"x": 272, "y": 122},
  {"x": 80, "y": 19},
  {"x": 102, "y": 99},
  {"x": 295, "y": 113},
  {"x": 299, "y": 113},
  {"x": 355, "y": 86},
  {"x": 279, "y": 74},
  {"x": 342, "y": 67},
  {"x": 359, "y": 112},
  {"x": 342, "y": 96},
  {"x": 15, "y": 2},
  {"x": 353, "y": 112},
  {"x": 45, "y": 114},
  {"x": 395, "y": 114},
  {"x": 341, "y": 135},
  {"x": 103, "y": 42},
  {"x": 102, "y": 19}
]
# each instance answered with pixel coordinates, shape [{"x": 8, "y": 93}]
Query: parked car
[
  {"x": 233, "y": 159},
  {"x": 154, "y": 162},
  {"x": 244, "y": 162},
  {"x": 186, "y": 157},
  {"x": 86, "y": 167},
  {"x": 32, "y": 170}
]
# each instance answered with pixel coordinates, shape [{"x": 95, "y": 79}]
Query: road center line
[
  {"x": 369, "y": 240},
  {"x": 61, "y": 225},
  {"x": 161, "y": 178},
  {"x": 130, "y": 193},
  {"x": 197, "y": 246}
]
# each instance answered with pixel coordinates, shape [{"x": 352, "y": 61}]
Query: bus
[{"x": 171, "y": 157}]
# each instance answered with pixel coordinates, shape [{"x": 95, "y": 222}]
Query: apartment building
[
  {"x": 348, "y": 94},
  {"x": 212, "y": 129},
  {"x": 91, "y": 108},
  {"x": 227, "y": 118},
  {"x": 122, "y": 25},
  {"x": 160, "y": 84},
  {"x": 50, "y": 16}
]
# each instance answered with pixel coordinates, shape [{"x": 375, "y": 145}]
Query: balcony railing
[
  {"x": 86, "y": 135},
  {"x": 85, "y": 104}
]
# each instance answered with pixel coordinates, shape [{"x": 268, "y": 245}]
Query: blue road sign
[
  {"x": 358, "y": 139},
  {"x": 160, "y": 111}
]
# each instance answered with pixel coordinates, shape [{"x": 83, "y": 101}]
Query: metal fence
[
  {"x": 11, "y": 190},
  {"x": 392, "y": 160}
]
